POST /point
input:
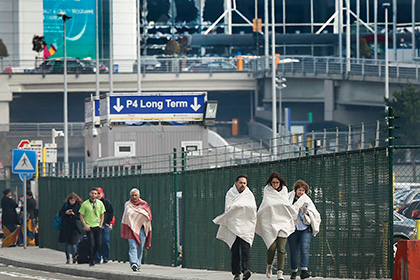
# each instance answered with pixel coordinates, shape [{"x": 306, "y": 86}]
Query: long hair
[
  {"x": 75, "y": 197},
  {"x": 278, "y": 176}
]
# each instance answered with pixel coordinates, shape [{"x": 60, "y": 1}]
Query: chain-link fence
[{"x": 406, "y": 170}]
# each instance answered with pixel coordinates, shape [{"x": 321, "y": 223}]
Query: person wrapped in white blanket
[
  {"x": 237, "y": 225},
  {"x": 309, "y": 221},
  {"x": 276, "y": 220}
]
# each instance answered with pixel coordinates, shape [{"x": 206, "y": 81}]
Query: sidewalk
[{"x": 54, "y": 261}]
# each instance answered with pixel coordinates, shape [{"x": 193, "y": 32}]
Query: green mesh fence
[
  {"x": 350, "y": 189},
  {"x": 156, "y": 189}
]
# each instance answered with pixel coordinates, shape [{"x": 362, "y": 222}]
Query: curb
[{"x": 82, "y": 272}]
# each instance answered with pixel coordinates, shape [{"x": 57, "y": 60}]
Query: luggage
[{"x": 83, "y": 249}]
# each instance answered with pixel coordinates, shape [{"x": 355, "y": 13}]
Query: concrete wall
[
  {"x": 150, "y": 140},
  {"x": 20, "y": 20}
]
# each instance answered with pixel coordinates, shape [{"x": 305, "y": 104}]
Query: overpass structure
[{"x": 334, "y": 90}]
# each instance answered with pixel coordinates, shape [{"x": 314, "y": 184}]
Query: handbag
[{"x": 57, "y": 221}]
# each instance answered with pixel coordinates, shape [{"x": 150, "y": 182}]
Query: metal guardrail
[
  {"x": 42, "y": 129},
  {"x": 259, "y": 66},
  {"x": 347, "y": 138}
]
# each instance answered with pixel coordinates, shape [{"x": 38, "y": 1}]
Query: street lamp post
[
  {"x": 66, "y": 134},
  {"x": 386, "y": 6}
]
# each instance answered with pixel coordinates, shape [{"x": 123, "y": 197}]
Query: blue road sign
[
  {"x": 181, "y": 104},
  {"x": 23, "y": 161},
  {"x": 187, "y": 107}
]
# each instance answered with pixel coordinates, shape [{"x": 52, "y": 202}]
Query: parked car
[
  {"x": 412, "y": 194},
  {"x": 213, "y": 66},
  {"x": 148, "y": 62},
  {"x": 411, "y": 210},
  {"x": 74, "y": 66},
  {"x": 404, "y": 229}
]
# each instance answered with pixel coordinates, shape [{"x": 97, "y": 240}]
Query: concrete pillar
[
  {"x": 329, "y": 100},
  {"x": 5, "y": 97}
]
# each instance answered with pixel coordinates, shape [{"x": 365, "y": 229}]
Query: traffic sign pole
[{"x": 25, "y": 213}]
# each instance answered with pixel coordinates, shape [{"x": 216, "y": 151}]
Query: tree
[
  {"x": 3, "y": 49},
  {"x": 406, "y": 106},
  {"x": 172, "y": 47}
]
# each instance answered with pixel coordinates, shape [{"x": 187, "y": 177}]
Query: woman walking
[
  {"x": 70, "y": 230},
  {"x": 308, "y": 225},
  {"x": 276, "y": 220},
  {"x": 9, "y": 219}
]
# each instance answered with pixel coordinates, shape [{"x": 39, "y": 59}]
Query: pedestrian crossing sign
[{"x": 23, "y": 161}]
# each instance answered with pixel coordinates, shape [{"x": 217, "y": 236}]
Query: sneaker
[
  {"x": 304, "y": 274},
  {"x": 269, "y": 271},
  {"x": 280, "y": 275},
  {"x": 247, "y": 275},
  {"x": 74, "y": 259},
  {"x": 134, "y": 267},
  {"x": 294, "y": 275},
  {"x": 68, "y": 262},
  {"x": 91, "y": 263},
  {"x": 105, "y": 261},
  {"x": 237, "y": 277}
]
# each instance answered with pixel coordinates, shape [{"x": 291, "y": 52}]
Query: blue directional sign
[
  {"x": 187, "y": 107},
  {"x": 23, "y": 161}
]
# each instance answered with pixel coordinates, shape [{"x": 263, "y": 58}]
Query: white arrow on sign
[
  {"x": 118, "y": 107},
  {"x": 195, "y": 106}
]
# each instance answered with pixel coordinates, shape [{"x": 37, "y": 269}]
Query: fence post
[
  {"x": 336, "y": 139},
  {"x": 391, "y": 189},
  {"x": 362, "y": 138},
  {"x": 349, "y": 139},
  {"x": 175, "y": 213}
]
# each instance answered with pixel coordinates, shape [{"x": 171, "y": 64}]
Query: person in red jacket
[{"x": 136, "y": 226}]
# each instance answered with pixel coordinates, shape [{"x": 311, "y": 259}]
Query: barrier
[{"x": 407, "y": 261}]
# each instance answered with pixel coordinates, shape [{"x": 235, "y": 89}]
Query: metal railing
[
  {"x": 339, "y": 139},
  {"x": 258, "y": 66}
]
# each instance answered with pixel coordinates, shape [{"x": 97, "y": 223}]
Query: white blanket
[
  {"x": 276, "y": 216},
  {"x": 313, "y": 217},
  {"x": 239, "y": 218}
]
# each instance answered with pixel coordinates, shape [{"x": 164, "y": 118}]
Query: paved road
[{"x": 8, "y": 272}]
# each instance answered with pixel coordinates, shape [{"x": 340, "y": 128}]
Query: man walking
[
  {"x": 237, "y": 225},
  {"x": 136, "y": 226},
  {"x": 92, "y": 216},
  {"x": 103, "y": 252}
]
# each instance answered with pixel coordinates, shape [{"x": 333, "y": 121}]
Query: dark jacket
[
  {"x": 70, "y": 229},
  {"x": 9, "y": 215},
  {"x": 31, "y": 202},
  {"x": 109, "y": 214}
]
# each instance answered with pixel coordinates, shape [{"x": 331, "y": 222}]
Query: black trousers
[
  {"x": 95, "y": 240},
  {"x": 240, "y": 248}
]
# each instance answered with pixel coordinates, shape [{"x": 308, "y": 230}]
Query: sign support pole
[{"x": 25, "y": 222}]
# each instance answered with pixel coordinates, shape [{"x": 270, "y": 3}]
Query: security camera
[
  {"x": 60, "y": 14},
  {"x": 60, "y": 134},
  {"x": 94, "y": 132}
]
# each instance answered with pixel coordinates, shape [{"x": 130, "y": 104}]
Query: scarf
[
  {"x": 137, "y": 215},
  {"x": 276, "y": 216},
  {"x": 239, "y": 218},
  {"x": 313, "y": 218}
]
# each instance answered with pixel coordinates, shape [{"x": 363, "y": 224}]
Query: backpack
[{"x": 57, "y": 221}]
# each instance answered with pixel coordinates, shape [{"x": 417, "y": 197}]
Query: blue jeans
[
  {"x": 104, "y": 250},
  {"x": 135, "y": 252},
  {"x": 68, "y": 247},
  {"x": 299, "y": 242}
]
